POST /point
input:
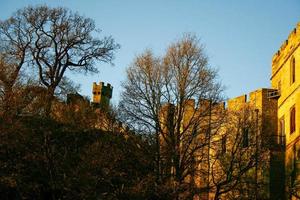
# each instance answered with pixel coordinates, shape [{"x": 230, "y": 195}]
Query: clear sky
[{"x": 240, "y": 36}]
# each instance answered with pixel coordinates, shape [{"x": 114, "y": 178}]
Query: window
[
  {"x": 293, "y": 70},
  {"x": 245, "y": 138},
  {"x": 281, "y": 130},
  {"x": 293, "y": 120}
]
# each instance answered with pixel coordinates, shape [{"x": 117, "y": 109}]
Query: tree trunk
[
  {"x": 50, "y": 163},
  {"x": 217, "y": 193},
  {"x": 158, "y": 168},
  {"x": 48, "y": 145},
  {"x": 8, "y": 104},
  {"x": 49, "y": 101}
]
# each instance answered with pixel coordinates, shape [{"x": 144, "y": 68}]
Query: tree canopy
[{"x": 51, "y": 41}]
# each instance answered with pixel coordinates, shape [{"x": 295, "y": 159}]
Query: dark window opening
[
  {"x": 245, "y": 138},
  {"x": 281, "y": 131},
  {"x": 293, "y": 120},
  {"x": 293, "y": 70}
]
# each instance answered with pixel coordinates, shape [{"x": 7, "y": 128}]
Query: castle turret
[{"x": 102, "y": 94}]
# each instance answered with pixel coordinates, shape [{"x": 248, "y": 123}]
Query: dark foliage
[{"x": 43, "y": 159}]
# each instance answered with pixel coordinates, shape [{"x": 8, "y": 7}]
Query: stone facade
[
  {"x": 286, "y": 79},
  {"x": 280, "y": 114},
  {"x": 272, "y": 173},
  {"x": 278, "y": 109}
]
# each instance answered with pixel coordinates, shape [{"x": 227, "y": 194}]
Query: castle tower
[
  {"x": 102, "y": 94},
  {"x": 285, "y": 80}
]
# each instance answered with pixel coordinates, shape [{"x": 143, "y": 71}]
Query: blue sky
[{"x": 240, "y": 36}]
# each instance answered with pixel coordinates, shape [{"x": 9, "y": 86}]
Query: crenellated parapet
[
  {"x": 101, "y": 87},
  {"x": 286, "y": 49},
  {"x": 258, "y": 99},
  {"x": 102, "y": 94}
]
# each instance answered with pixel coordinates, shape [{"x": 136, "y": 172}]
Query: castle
[
  {"x": 285, "y": 80},
  {"x": 276, "y": 115},
  {"x": 102, "y": 94},
  {"x": 279, "y": 108},
  {"x": 95, "y": 114}
]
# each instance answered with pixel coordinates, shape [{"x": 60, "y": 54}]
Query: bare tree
[
  {"x": 15, "y": 37},
  {"x": 141, "y": 100},
  {"x": 237, "y": 155},
  {"x": 60, "y": 40},
  {"x": 51, "y": 41},
  {"x": 174, "y": 96},
  {"x": 192, "y": 87}
]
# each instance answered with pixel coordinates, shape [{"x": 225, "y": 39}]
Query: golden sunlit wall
[
  {"x": 267, "y": 108},
  {"x": 102, "y": 94},
  {"x": 282, "y": 79},
  {"x": 286, "y": 78},
  {"x": 271, "y": 173}
]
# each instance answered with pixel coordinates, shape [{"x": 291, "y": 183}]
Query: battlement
[
  {"x": 286, "y": 49},
  {"x": 102, "y": 93},
  {"x": 237, "y": 102},
  {"x": 257, "y": 98},
  {"x": 102, "y": 89},
  {"x": 191, "y": 107}
]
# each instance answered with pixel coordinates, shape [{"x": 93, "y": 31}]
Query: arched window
[
  {"x": 281, "y": 131},
  {"x": 293, "y": 120},
  {"x": 293, "y": 70}
]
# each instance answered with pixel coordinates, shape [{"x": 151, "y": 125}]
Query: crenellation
[
  {"x": 284, "y": 45},
  {"x": 237, "y": 102},
  {"x": 286, "y": 48},
  {"x": 102, "y": 94}
]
